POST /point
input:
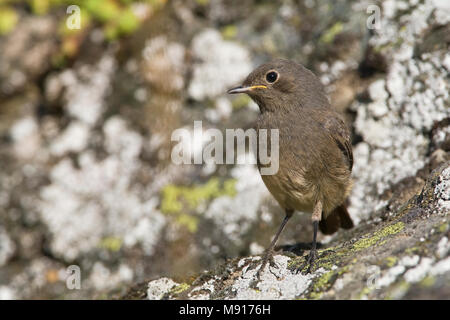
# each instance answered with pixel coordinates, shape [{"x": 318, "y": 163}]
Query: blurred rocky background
[{"x": 86, "y": 118}]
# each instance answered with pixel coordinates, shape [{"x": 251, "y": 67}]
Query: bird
[{"x": 315, "y": 151}]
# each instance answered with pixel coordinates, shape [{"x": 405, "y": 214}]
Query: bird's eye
[{"x": 271, "y": 77}]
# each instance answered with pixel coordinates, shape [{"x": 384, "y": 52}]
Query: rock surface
[
  {"x": 87, "y": 178},
  {"x": 404, "y": 254}
]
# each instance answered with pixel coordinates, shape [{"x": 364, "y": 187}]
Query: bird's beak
[{"x": 242, "y": 89}]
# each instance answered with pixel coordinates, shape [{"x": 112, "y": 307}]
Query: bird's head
[{"x": 282, "y": 85}]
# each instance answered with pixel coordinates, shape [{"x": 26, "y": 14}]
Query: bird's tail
[{"x": 339, "y": 217}]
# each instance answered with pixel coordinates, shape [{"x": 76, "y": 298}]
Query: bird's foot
[
  {"x": 267, "y": 258},
  {"x": 308, "y": 265}
]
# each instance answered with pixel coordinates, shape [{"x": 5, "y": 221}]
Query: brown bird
[{"x": 315, "y": 152}]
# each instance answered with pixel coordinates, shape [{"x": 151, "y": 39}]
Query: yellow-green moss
[
  {"x": 229, "y": 31},
  {"x": 377, "y": 236},
  {"x": 443, "y": 227},
  {"x": 364, "y": 292},
  {"x": 332, "y": 32},
  {"x": 327, "y": 264},
  {"x": 111, "y": 243},
  {"x": 8, "y": 19},
  {"x": 398, "y": 290},
  {"x": 103, "y": 10},
  {"x": 323, "y": 281},
  {"x": 128, "y": 22},
  {"x": 427, "y": 282},
  {"x": 412, "y": 250},
  {"x": 343, "y": 270},
  {"x": 189, "y": 221},
  {"x": 180, "y": 201},
  {"x": 116, "y": 17},
  {"x": 291, "y": 264},
  {"x": 315, "y": 295},
  {"x": 176, "y": 198},
  {"x": 180, "y": 288},
  {"x": 40, "y": 6},
  {"x": 391, "y": 261}
]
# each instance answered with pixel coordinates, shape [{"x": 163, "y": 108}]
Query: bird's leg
[
  {"x": 316, "y": 216},
  {"x": 268, "y": 255}
]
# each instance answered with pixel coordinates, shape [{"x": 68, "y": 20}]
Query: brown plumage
[{"x": 315, "y": 153}]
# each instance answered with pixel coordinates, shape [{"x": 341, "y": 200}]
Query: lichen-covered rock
[
  {"x": 7, "y": 247},
  {"x": 405, "y": 255},
  {"x": 26, "y": 52},
  {"x": 395, "y": 126},
  {"x": 85, "y": 150},
  {"x": 221, "y": 64}
]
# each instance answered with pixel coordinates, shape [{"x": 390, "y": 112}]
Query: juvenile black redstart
[{"x": 315, "y": 152}]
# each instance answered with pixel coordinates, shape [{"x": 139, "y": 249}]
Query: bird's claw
[
  {"x": 268, "y": 258},
  {"x": 309, "y": 263}
]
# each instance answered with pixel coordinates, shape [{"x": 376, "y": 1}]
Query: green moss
[
  {"x": 180, "y": 288},
  {"x": 229, "y": 32},
  {"x": 323, "y": 282},
  {"x": 103, "y": 10},
  {"x": 180, "y": 200},
  {"x": 398, "y": 290},
  {"x": 328, "y": 258},
  {"x": 342, "y": 252},
  {"x": 111, "y": 32},
  {"x": 343, "y": 270},
  {"x": 443, "y": 227},
  {"x": 391, "y": 261},
  {"x": 328, "y": 261},
  {"x": 427, "y": 282},
  {"x": 324, "y": 263},
  {"x": 40, "y": 6},
  {"x": 412, "y": 250},
  {"x": 111, "y": 243},
  {"x": 189, "y": 221},
  {"x": 377, "y": 236},
  {"x": 176, "y": 198},
  {"x": 115, "y": 16},
  {"x": 315, "y": 295},
  {"x": 128, "y": 22},
  {"x": 364, "y": 292},
  {"x": 8, "y": 19},
  {"x": 292, "y": 263},
  {"x": 331, "y": 33},
  {"x": 170, "y": 202}
]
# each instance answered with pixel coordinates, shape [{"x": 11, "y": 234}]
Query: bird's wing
[{"x": 338, "y": 130}]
